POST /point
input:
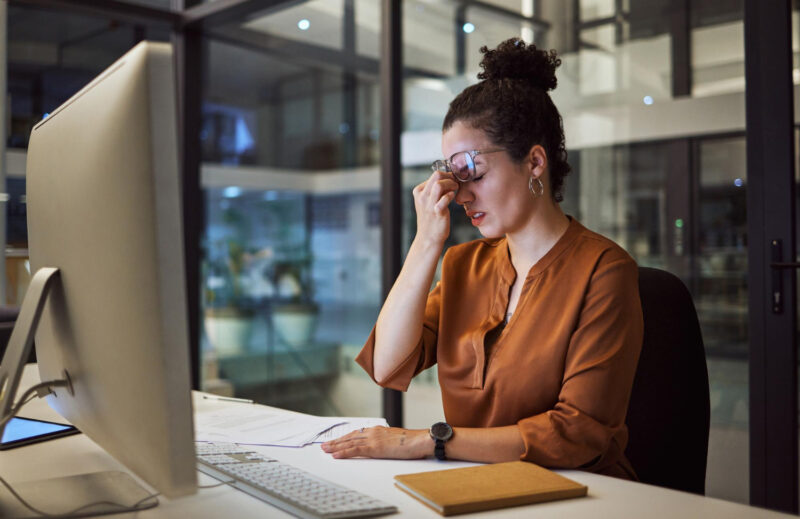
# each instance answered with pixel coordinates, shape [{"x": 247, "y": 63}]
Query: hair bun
[{"x": 513, "y": 59}]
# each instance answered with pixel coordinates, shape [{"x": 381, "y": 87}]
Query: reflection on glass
[
  {"x": 318, "y": 22},
  {"x": 524, "y": 7},
  {"x": 270, "y": 111},
  {"x": 593, "y": 9},
  {"x": 291, "y": 288},
  {"x": 291, "y": 268},
  {"x": 622, "y": 193},
  {"x": 489, "y": 29},
  {"x": 720, "y": 294},
  {"x": 718, "y": 58},
  {"x": 368, "y": 24},
  {"x": 53, "y": 54},
  {"x": 429, "y": 41}
]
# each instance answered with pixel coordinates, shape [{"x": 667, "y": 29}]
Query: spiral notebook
[{"x": 487, "y": 487}]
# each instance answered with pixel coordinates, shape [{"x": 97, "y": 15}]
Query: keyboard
[{"x": 298, "y": 492}]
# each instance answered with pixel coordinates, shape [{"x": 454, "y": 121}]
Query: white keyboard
[{"x": 298, "y": 492}]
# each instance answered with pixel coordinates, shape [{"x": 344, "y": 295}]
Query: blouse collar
[{"x": 503, "y": 256}]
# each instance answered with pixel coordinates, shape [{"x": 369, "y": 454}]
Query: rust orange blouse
[{"x": 563, "y": 366}]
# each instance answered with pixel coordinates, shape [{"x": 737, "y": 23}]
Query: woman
[{"x": 536, "y": 328}]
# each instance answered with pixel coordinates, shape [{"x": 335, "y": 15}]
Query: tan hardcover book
[{"x": 486, "y": 487}]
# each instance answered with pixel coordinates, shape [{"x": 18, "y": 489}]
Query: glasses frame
[{"x": 446, "y": 165}]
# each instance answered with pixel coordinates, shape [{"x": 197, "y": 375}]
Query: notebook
[{"x": 486, "y": 487}]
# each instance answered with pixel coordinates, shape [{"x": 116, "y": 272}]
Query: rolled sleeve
[
  {"x": 586, "y": 427},
  {"x": 422, "y": 357}
]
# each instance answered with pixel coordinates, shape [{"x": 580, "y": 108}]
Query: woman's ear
[{"x": 537, "y": 159}]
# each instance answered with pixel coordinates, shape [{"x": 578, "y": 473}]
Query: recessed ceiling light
[{"x": 232, "y": 192}]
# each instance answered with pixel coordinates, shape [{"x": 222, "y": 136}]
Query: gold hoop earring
[{"x": 531, "y": 189}]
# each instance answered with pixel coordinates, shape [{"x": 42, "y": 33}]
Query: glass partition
[
  {"x": 720, "y": 292},
  {"x": 292, "y": 263}
]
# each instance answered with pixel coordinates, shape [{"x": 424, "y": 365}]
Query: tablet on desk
[{"x": 23, "y": 431}]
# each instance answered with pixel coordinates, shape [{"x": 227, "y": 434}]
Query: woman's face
[{"x": 497, "y": 202}]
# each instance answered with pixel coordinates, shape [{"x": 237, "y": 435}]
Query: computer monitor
[{"x": 104, "y": 208}]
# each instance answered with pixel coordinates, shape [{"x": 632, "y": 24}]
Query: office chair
[{"x": 668, "y": 414}]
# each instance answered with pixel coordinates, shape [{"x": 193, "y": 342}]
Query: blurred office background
[{"x": 652, "y": 93}]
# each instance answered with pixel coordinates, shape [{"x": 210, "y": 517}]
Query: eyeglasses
[{"x": 463, "y": 165}]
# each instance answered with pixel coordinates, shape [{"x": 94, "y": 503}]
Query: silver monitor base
[{"x": 63, "y": 495}]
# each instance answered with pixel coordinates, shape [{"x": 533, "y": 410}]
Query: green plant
[{"x": 223, "y": 270}]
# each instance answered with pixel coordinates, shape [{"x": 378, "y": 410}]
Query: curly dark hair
[{"x": 512, "y": 106}]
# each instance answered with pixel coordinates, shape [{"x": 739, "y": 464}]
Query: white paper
[
  {"x": 256, "y": 425},
  {"x": 350, "y": 425}
]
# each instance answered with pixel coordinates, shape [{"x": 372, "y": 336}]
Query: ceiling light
[{"x": 232, "y": 192}]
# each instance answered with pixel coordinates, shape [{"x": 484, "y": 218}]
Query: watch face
[{"x": 441, "y": 431}]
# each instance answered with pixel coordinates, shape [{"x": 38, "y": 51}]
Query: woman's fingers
[
  {"x": 443, "y": 186},
  {"x": 431, "y": 199},
  {"x": 437, "y": 177},
  {"x": 348, "y": 446},
  {"x": 376, "y": 442},
  {"x": 444, "y": 201},
  {"x": 351, "y": 447},
  {"x": 359, "y": 434},
  {"x": 350, "y": 452}
]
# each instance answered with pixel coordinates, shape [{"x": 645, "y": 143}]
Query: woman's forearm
[
  {"x": 484, "y": 444},
  {"x": 399, "y": 325}
]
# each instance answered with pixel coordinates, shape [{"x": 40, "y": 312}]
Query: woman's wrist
[
  {"x": 423, "y": 443},
  {"x": 427, "y": 245}
]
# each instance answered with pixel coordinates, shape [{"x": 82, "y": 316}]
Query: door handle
[{"x": 777, "y": 267}]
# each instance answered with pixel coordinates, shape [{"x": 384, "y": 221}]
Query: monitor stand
[
  {"x": 21, "y": 340},
  {"x": 62, "y": 495},
  {"x": 74, "y": 496}
]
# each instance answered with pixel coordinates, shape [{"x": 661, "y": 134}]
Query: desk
[{"x": 608, "y": 497}]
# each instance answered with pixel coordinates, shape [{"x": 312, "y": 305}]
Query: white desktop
[{"x": 608, "y": 497}]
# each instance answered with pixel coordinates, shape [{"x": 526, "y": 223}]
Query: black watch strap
[
  {"x": 440, "y": 432},
  {"x": 438, "y": 451}
]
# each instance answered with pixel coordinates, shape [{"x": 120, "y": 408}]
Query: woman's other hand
[
  {"x": 382, "y": 442},
  {"x": 431, "y": 199}
]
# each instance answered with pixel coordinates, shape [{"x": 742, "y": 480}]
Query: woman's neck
[{"x": 528, "y": 245}]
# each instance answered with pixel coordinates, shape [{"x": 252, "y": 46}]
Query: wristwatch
[{"x": 440, "y": 432}]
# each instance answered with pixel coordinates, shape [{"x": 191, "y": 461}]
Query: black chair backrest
[
  {"x": 668, "y": 415},
  {"x": 8, "y": 316}
]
